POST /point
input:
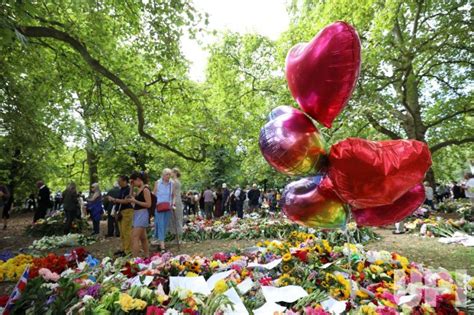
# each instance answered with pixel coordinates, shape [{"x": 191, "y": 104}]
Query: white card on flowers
[
  {"x": 334, "y": 306},
  {"x": 194, "y": 284},
  {"x": 288, "y": 294},
  {"x": 239, "y": 307},
  {"x": 269, "y": 308},
  {"x": 268, "y": 266},
  {"x": 245, "y": 285}
]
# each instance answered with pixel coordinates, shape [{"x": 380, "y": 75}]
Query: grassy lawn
[{"x": 426, "y": 250}]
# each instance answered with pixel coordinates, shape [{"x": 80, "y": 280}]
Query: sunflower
[
  {"x": 286, "y": 268},
  {"x": 286, "y": 257}
]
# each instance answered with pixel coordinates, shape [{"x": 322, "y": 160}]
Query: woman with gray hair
[
  {"x": 94, "y": 206},
  {"x": 71, "y": 205},
  {"x": 176, "y": 223},
  {"x": 164, "y": 192}
]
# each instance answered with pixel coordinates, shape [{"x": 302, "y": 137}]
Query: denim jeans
[{"x": 161, "y": 223}]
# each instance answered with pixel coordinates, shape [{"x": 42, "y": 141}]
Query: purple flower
[
  {"x": 5, "y": 255},
  {"x": 51, "y": 299},
  {"x": 94, "y": 290}
]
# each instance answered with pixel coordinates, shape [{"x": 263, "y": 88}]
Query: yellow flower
[
  {"x": 191, "y": 274},
  {"x": 376, "y": 269},
  {"x": 360, "y": 267},
  {"x": 138, "y": 304},
  {"x": 378, "y": 262},
  {"x": 362, "y": 294},
  {"x": 287, "y": 257},
  {"x": 368, "y": 310},
  {"x": 471, "y": 282},
  {"x": 220, "y": 286},
  {"x": 318, "y": 249},
  {"x": 326, "y": 246},
  {"x": 286, "y": 268},
  {"x": 162, "y": 298},
  {"x": 125, "y": 302}
]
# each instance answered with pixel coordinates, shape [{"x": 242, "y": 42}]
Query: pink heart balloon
[
  {"x": 323, "y": 73},
  {"x": 291, "y": 143},
  {"x": 395, "y": 212}
]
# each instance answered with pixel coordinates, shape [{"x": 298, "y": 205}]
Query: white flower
[
  {"x": 50, "y": 286},
  {"x": 87, "y": 298},
  {"x": 171, "y": 311}
]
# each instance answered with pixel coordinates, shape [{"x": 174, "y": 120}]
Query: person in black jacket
[
  {"x": 4, "y": 200},
  {"x": 44, "y": 201},
  {"x": 70, "y": 199},
  {"x": 112, "y": 225},
  {"x": 254, "y": 198}
]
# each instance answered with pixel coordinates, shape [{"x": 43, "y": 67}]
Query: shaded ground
[{"x": 424, "y": 250}]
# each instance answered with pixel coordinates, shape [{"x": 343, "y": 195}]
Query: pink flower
[
  {"x": 385, "y": 310},
  {"x": 155, "y": 310},
  {"x": 48, "y": 275},
  {"x": 318, "y": 310}
]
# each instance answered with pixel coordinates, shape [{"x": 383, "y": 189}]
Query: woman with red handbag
[{"x": 164, "y": 192}]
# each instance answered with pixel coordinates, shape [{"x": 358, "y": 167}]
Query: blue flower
[{"x": 91, "y": 261}]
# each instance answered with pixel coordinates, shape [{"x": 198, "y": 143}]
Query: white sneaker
[{"x": 154, "y": 242}]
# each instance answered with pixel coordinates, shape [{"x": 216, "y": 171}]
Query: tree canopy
[{"x": 93, "y": 89}]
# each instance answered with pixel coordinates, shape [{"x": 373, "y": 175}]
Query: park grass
[{"x": 428, "y": 251}]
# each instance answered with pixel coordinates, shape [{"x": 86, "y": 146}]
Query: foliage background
[{"x": 65, "y": 118}]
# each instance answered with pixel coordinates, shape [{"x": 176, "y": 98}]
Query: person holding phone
[{"x": 124, "y": 214}]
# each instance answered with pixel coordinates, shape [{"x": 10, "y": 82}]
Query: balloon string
[{"x": 349, "y": 257}]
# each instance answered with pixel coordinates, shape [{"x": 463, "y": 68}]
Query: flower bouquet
[
  {"x": 302, "y": 274},
  {"x": 54, "y": 225},
  {"x": 69, "y": 240}
]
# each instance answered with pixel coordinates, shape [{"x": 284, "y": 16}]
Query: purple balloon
[{"x": 291, "y": 143}]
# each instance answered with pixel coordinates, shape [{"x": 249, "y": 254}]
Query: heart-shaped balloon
[
  {"x": 376, "y": 173},
  {"x": 291, "y": 143},
  {"x": 395, "y": 212},
  {"x": 311, "y": 202},
  {"x": 323, "y": 73}
]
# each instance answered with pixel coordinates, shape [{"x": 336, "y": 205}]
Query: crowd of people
[
  {"x": 133, "y": 203},
  {"x": 455, "y": 190}
]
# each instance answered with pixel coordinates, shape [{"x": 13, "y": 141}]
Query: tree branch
[
  {"x": 440, "y": 120},
  {"x": 49, "y": 32},
  {"x": 380, "y": 128},
  {"x": 446, "y": 143}
]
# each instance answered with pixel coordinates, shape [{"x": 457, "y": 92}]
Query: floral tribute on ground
[{"x": 301, "y": 275}]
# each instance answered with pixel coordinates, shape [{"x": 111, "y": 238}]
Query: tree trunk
[
  {"x": 14, "y": 167},
  {"x": 430, "y": 178},
  {"x": 92, "y": 162}
]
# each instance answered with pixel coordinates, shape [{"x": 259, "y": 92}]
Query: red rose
[{"x": 3, "y": 300}]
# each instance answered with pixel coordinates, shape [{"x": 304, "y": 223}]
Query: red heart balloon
[
  {"x": 311, "y": 201},
  {"x": 395, "y": 212},
  {"x": 371, "y": 174},
  {"x": 323, "y": 73}
]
